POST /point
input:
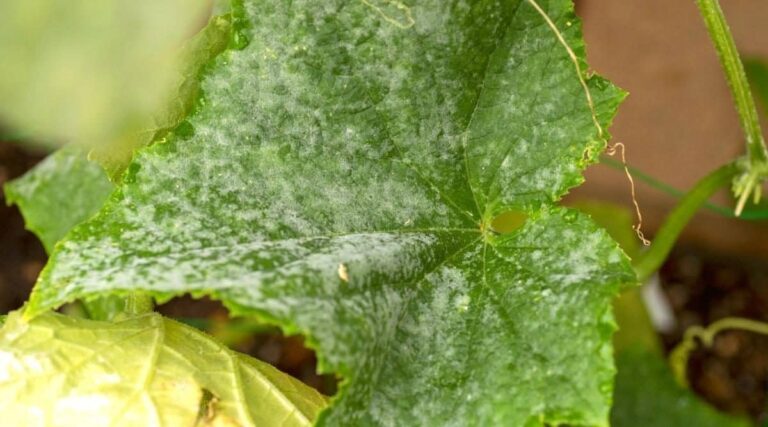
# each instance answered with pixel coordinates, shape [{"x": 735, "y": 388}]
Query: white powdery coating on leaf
[{"x": 337, "y": 138}]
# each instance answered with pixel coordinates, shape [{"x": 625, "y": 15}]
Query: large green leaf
[
  {"x": 341, "y": 182},
  {"x": 143, "y": 371},
  {"x": 90, "y": 72}
]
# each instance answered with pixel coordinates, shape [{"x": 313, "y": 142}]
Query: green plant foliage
[
  {"x": 62, "y": 191},
  {"x": 635, "y": 326},
  {"x": 647, "y": 395},
  {"x": 340, "y": 181},
  {"x": 195, "y": 55},
  {"x": 721, "y": 36},
  {"x": 90, "y": 72},
  {"x": 753, "y": 167},
  {"x": 758, "y": 213},
  {"x": 143, "y": 371}
]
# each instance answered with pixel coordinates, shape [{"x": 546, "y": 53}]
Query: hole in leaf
[
  {"x": 508, "y": 222},
  {"x": 207, "y": 407},
  {"x": 184, "y": 130}
]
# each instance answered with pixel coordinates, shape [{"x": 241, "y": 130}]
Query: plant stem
[
  {"x": 651, "y": 260},
  {"x": 737, "y": 78},
  {"x": 759, "y": 214},
  {"x": 137, "y": 303}
]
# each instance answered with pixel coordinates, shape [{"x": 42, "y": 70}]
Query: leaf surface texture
[
  {"x": 341, "y": 182},
  {"x": 143, "y": 371}
]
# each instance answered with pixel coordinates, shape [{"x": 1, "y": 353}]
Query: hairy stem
[
  {"x": 651, "y": 260},
  {"x": 737, "y": 78}
]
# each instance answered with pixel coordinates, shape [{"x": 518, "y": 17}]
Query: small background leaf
[
  {"x": 757, "y": 73},
  {"x": 647, "y": 395},
  {"x": 62, "y": 191}
]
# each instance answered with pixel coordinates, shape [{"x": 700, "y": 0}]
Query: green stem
[
  {"x": 737, "y": 78},
  {"x": 749, "y": 215},
  {"x": 137, "y": 303},
  {"x": 665, "y": 238}
]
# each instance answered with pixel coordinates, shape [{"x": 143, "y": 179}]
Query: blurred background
[{"x": 678, "y": 124}]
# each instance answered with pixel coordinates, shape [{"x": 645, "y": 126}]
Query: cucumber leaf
[
  {"x": 341, "y": 181},
  {"x": 142, "y": 371},
  {"x": 62, "y": 191}
]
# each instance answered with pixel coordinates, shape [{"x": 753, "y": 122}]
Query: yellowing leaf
[{"x": 143, "y": 371}]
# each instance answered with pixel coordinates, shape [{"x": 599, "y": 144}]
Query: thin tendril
[
  {"x": 679, "y": 356},
  {"x": 611, "y": 150}
]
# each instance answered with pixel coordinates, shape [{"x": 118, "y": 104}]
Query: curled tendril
[{"x": 678, "y": 358}]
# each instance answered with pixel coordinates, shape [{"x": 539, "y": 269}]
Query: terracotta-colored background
[{"x": 679, "y": 122}]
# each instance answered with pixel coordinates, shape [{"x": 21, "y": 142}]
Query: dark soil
[
  {"x": 703, "y": 287},
  {"x": 21, "y": 254}
]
